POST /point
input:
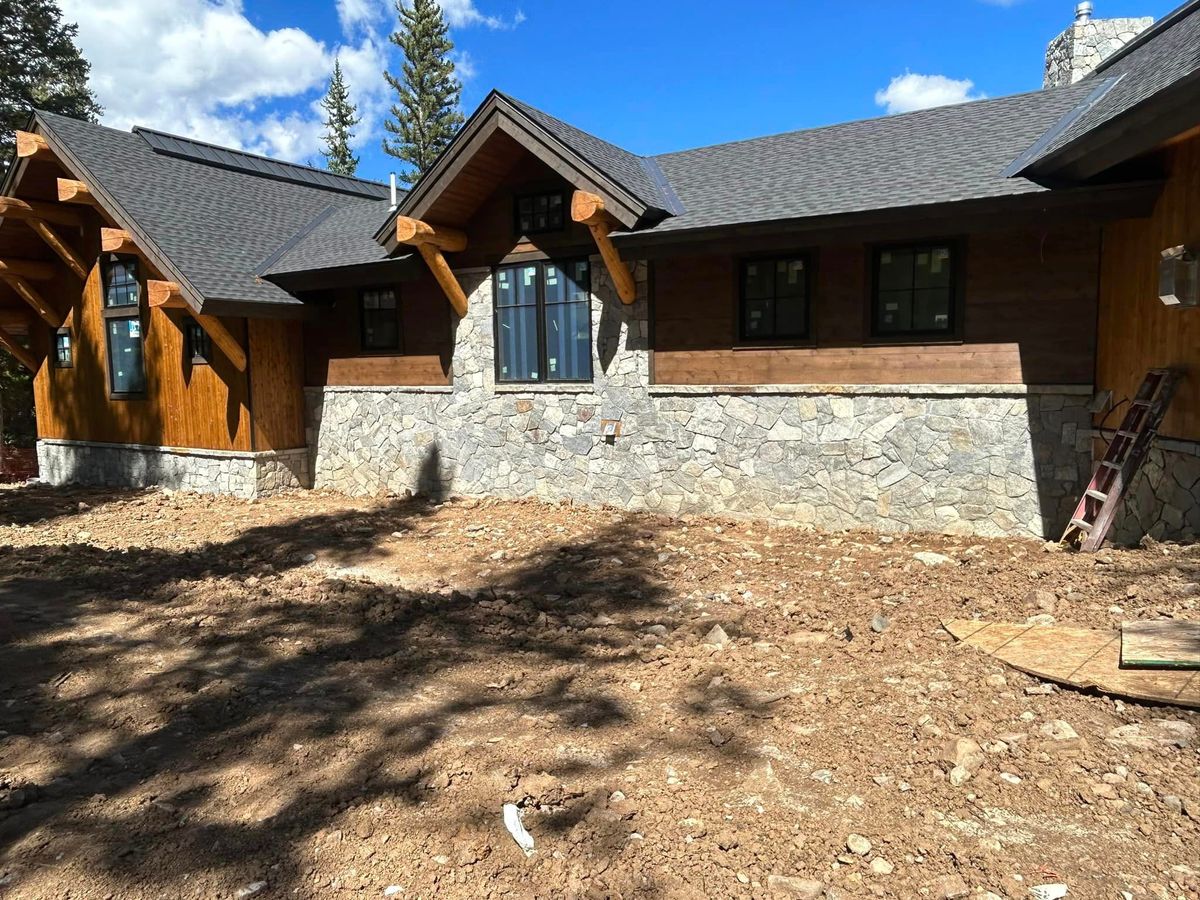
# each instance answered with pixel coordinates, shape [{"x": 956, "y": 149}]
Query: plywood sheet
[
  {"x": 1161, "y": 644},
  {"x": 1080, "y": 657}
]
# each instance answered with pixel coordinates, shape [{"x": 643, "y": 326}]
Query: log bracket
[
  {"x": 167, "y": 295},
  {"x": 430, "y": 241},
  {"x": 588, "y": 209}
]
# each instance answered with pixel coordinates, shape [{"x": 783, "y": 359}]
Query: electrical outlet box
[{"x": 1179, "y": 277}]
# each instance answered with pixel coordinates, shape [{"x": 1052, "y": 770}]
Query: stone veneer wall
[
  {"x": 1085, "y": 45},
  {"x": 1164, "y": 501},
  {"x": 1001, "y": 460},
  {"x": 242, "y": 474}
]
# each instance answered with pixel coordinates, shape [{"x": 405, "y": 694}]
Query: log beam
[
  {"x": 167, "y": 295},
  {"x": 588, "y": 209},
  {"x": 24, "y": 357},
  {"x": 117, "y": 240},
  {"x": 12, "y": 208},
  {"x": 27, "y": 268},
  {"x": 430, "y": 241},
  {"x": 64, "y": 250},
  {"x": 445, "y": 277},
  {"x": 26, "y": 292},
  {"x": 32, "y": 146},
  {"x": 72, "y": 191}
]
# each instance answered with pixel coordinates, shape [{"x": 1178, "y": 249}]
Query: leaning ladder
[{"x": 1099, "y": 504}]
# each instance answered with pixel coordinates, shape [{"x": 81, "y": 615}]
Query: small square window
[
  {"x": 539, "y": 213},
  {"x": 379, "y": 316},
  {"x": 774, "y": 298},
  {"x": 914, "y": 291},
  {"x": 197, "y": 346},
  {"x": 64, "y": 355}
]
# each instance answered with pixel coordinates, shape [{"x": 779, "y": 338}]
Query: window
[
  {"x": 197, "y": 347},
  {"x": 123, "y": 326},
  {"x": 379, "y": 316},
  {"x": 539, "y": 213},
  {"x": 914, "y": 290},
  {"x": 774, "y": 298},
  {"x": 543, "y": 322},
  {"x": 63, "y": 354}
]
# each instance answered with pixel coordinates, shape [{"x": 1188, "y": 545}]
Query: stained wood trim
[
  {"x": 445, "y": 277},
  {"x": 167, "y": 295},
  {"x": 59, "y": 246},
  {"x": 50, "y": 315},
  {"x": 72, "y": 191},
  {"x": 430, "y": 241},
  {"x": 117, "y": 240},
  {"x": 12, "y": 208},
  {"x": 164, "y": 295},
  {"x": 9, "y": 343},
  {"x": 588, "y": 209},
  {"x": 27, "y": 268},
  {"x": 32, "y": 146}
]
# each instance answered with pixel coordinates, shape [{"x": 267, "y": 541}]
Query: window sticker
[
  {"x": 135, "y": 328},
  {"x": 891, "y": 307},
  {"x": 795, "y": 270},
  {"x": 553, "y": 364},
  {"x": 923, "y": 260},
  {"x": 885, "y": 259},
  {"x": 529, "y": 276},
  {"x": 751, "y": 270}
]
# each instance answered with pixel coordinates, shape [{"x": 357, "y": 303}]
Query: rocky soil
[{"x": 312, "y": 696}]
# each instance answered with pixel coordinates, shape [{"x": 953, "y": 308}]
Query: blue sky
[{"x": 653, "y": 76}]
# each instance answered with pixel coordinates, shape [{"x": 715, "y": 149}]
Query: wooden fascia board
[
  {"x": 418, "y": 201},
  {"x": 117, "y": 213}
]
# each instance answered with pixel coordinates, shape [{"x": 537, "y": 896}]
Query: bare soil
[{"x": 313, "y": 696}]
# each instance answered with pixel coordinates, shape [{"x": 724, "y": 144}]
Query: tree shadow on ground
[{"x": 199, "y": 714}]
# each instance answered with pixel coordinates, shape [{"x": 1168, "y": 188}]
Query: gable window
[
  {"x": 914, "y": 290},
  {"x": 123, "y": 326},
  {"x": 539, "y": 213},
  {"x": 543, "y": 322},
  {"x": 64, "y": 356},
  {"x": 379, "y": 318},
  {"x": 197, "y": 347},
  {"x": 774, "y": 298}
]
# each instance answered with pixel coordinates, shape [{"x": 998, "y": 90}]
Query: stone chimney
[{"x": 1087, "y": 43}]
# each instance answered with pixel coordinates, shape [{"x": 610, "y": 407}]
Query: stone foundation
[
  {"x": 1164, "y": 501},
  {"x": 979, "y": 459},
  {"x": 242, "y": 474}
]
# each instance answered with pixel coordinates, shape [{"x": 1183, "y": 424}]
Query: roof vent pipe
[
  {"x": 392, "y": 183},
  {"x": 1083, "y": 11}
]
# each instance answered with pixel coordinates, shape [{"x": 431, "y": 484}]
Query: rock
[
  {"x": 803, "y": 638},
  {"x": 717, "y": 637},
  {"x": 1010, "y": 778},
  {"x": 1046, "y": 601},
  {"x": 807, "y": 888},
  {"x": 996, "y": 681},
  {"x": 964, "y": 753},
  {"x": 933, "y": 559},
  {"x": 1159, "y": 733},
  {"x": 880, "y": 623},
  {"x": 1045, "y": 689},
  {"x": 959, "y": 776},
  {"x": 951, "y": 887},
  {"x": 252, "y": 889},
  {"x": 822, "y": 775},
  {"x": 717, "y": 739},
  {"x": 1058, "y": 730},
  {"x": 881, "y": 866},
  {"x": 858, "y": 844}
]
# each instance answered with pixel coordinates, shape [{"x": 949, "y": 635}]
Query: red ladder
[{"x": 1126, "y": 452}]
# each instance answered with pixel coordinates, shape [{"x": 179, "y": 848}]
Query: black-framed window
[
  {"x": 774, "y": 298},
  {"x": 197, "y": 346},
  {"x": 379, "y": 319},
  {"x": 914, "y": 291},
  {"x": 64, "y": 353},
  {"x": 539, "y": 213},
  {"x": 123, "y": 326},
  {"x": 543, "y": 322}
]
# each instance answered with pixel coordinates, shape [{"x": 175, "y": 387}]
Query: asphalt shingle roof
[
  {"x": 215, "y": 224},
  {"x": 339, "y": 236},
  {"x": 940, "y": 155}
]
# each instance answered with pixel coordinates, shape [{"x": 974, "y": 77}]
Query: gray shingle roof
[
  {"x": 941, "y": 155},
  {"x": 214, "y": 224},
  {"x": 1163, "y": 56},
  {"x": 339, "y": 236}
]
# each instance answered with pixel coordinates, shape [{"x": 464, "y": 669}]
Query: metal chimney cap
[{"x": 1083, "y": 11}]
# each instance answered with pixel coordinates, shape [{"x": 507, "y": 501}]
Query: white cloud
[
  {"x": 354, "y": 15},
  {"x": 911, "y": 91},
  {"x": 462, "y": 13}
]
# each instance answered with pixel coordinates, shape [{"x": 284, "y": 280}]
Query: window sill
[
  {"x": 910, "y": 340},
  {"x": 542, "y": 387},
  {"x": 798, "y": 344}
]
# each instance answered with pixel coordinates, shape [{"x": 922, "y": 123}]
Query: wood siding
[
  {"x": 333, "y": 354},
  {"x": 276, "y": 383},
  {"x": 1136, "y": 331},
  {"x": 1029, "y": 316}
]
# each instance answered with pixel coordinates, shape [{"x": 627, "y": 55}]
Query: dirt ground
[{"x": 312, "y": 696}]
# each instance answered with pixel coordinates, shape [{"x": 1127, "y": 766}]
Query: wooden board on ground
[
  {"x": 1079, "y": 657},
  {"x": 1161, "y": 644}
]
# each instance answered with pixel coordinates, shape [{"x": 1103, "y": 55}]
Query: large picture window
[
  {"x": 914, "y": 290},
  {"x": 379, "y": 315},
  {"x": 543, "y": 322},
  {"x": 774, "y": 298},
  {"x": 123, "y": 326}
]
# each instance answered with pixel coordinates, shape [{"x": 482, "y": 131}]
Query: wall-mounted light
[{"x": 1179, "y": 277}]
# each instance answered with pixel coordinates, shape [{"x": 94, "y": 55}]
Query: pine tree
[
  {"x": 427, "y": 115},
  {"x": 40, "y": 66},
  {"x": 340, "y": 118}
]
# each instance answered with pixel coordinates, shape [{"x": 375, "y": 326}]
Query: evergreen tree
[
  {"x": 40, "y": 66},
  {"x": 427, "y": 115},
  {"x": 340, "y": 118}
]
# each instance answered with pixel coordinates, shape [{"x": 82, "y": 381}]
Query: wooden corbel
[
  {"x": 9, "y": 343},
  {"x": 32, "y": 146},
  {"x": 26, "y": 292},
  {"x": 64, "y": 250},
  {"x": 27, "y": 268},
  {"x": 588, "y": 209},
  {"x": 167, "y": 295},
  {"x": 116, "y": 240},
  {"x": 430, "y": 241},
  {"x": 72, "y": 191}
]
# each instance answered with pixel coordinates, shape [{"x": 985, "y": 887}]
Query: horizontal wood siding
[
  {"x": 1136, "y": 331},
  {"x": 1029, "y": 316},
  {"x": 333, "y": 354},
  {"x": 185, "y": 405}
]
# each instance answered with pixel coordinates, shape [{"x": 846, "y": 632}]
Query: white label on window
[
  {"x": 942, "y": 319},
  {"x": 752, "y": 270},
  {"x": 529, "y": 277},
  {"x": 135, "y": 328},
  {"x": 755, "y": 314},
  {"x": 885, "y": 259},
  {"x": 891, "y": 307},
  {"x": 922, "y": 259},
  {"x": 553, "y": 363},
  {"x": 533, "y": 374},
  {"x": 552, "y": 277}
]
